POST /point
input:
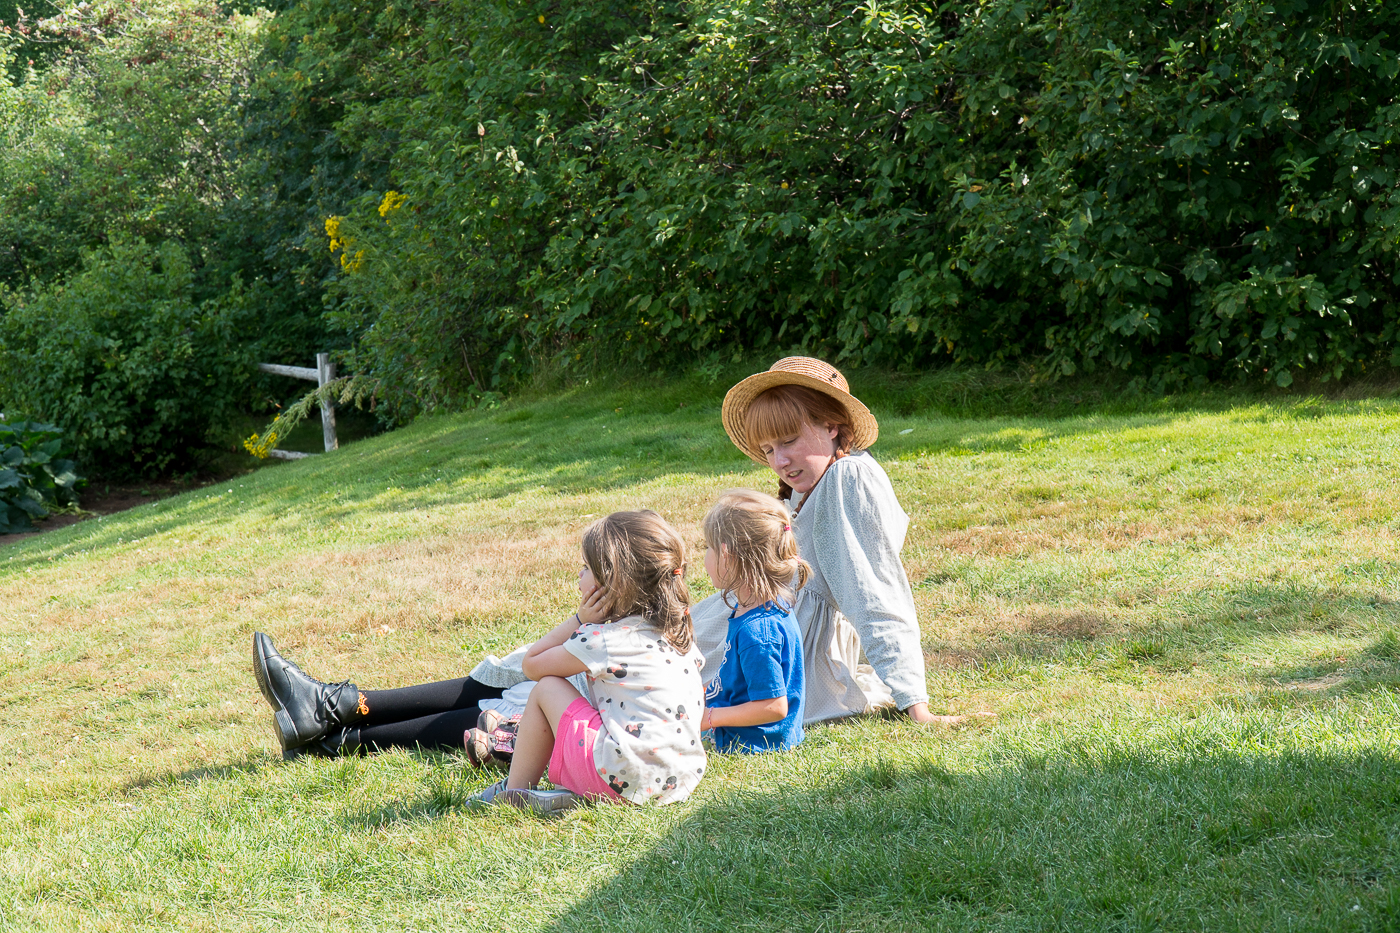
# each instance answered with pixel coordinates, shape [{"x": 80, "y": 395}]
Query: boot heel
[
  {"x": 286, "y": 730},
  {"x": 305, "y": 710}
]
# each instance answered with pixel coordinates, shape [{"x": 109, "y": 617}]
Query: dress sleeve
[
  {"x": 588, "y": 643},
  {"x": 858, "y": 531},
  {"x": 710, "y": 618}
]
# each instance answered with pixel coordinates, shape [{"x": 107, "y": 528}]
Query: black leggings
[{"x": 429, "y": 716}]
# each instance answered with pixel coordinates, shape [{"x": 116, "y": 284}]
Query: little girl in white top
[{"x": 637, "y": 738}]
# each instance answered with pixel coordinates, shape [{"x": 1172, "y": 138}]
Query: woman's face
[{"x": 800, "y": 460}]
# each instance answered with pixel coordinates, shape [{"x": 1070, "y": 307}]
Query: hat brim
[{"x": 865, "y": 430}]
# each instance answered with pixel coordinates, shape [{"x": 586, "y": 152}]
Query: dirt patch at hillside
[{"x": 101, "y": 498}]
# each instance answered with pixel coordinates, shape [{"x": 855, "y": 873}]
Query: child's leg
[{"x": 534, "y": 739}]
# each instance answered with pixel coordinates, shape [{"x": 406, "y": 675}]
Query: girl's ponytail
[
  {"x": 755, "y": 532},
  {"x": 641, "y": 560}
]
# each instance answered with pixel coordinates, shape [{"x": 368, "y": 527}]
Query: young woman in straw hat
[{"x": 801, "y": 421}]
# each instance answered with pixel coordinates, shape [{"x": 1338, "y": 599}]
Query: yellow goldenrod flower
[
  {"x": 333, "y": 231},
  {"x": 392, "y": 202},
  {"x": 261, "y": 447}
]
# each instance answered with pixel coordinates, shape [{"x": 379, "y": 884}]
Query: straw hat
[{"x": 795, "y": 371}]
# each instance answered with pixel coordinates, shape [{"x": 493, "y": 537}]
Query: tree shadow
[
  {"x": 249, "y": 764},
  {"x": 1093, "y": 838},
  {"x": 1376, "y": 667}
]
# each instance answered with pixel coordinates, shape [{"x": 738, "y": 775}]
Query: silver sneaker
[{"x": 543, "y": 802}]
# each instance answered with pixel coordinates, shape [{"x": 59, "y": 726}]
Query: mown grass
[{"x": 1182, "y": 609}]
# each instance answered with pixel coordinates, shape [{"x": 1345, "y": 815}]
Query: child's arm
[
  {"x": 752, "y": 713},
  {"x": 547, "y": 657}
]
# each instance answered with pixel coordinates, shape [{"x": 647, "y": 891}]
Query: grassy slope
[{"x": 1182, "y": 611}]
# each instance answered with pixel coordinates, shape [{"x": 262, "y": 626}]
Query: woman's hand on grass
[{"x": 919, "y": 712}]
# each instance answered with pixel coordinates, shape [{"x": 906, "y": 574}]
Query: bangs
[
  {"x": 782, "y": 410},
  {"x": 774, "y": 414}
]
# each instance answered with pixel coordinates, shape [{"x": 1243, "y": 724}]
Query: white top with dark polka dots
[{"x": 650, "y": 696}]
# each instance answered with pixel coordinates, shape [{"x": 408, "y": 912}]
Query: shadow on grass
[
  {"x": 1218, "y": 623},
  {"x": 249, "y": 764},
  {"x": 1377, "y": 667},
  {"x": 1190, "y": 628},
  {"x": 1090, "y": 839},
  {"x": 446, "y": 789}
]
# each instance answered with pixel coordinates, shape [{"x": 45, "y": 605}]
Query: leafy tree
[
  {"x": 135, "y": 132},
  {"x": 136, "y": 372},
  {"x": 1185, "y": 191}
]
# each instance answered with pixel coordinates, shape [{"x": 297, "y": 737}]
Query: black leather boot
[
  {"x": 304, "y": 710},
  {"x": 333, "y": 744}
]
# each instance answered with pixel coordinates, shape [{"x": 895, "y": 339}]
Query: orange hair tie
[{"x": 676, "y": 572}]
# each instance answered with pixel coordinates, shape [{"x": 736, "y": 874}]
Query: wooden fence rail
[{"x": 322, "y": 374}]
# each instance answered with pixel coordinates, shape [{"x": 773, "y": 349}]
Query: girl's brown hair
[
  {"x": 781, "y": 411},
  {"x": 641, "y": 560},
  {"x": 754, "y": 533}
]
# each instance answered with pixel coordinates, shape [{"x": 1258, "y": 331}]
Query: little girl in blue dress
[{"x": 751, "y": 557}]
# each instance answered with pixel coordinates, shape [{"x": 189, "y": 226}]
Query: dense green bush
[
  {"x": 136, "y": 372},
  {"x": 133, "y": 126},
  {"x": 1182, "y": 190},
  {"x": 33, "y": 477},
  {"x": 132, "y": 129}
]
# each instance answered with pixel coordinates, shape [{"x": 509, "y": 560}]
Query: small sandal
[
  {"x": 502, "y": 745},
  {"x": 543, "y": 802}
]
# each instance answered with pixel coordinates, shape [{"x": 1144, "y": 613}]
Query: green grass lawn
[{"x": 1183, "y": 610}]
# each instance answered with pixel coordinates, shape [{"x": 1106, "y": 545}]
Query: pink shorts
[{"x": 571, "y": 764}]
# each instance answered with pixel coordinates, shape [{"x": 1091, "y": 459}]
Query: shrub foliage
[
  {"x": 1182, "y": 190},
  {"x": 123, "y": 121},
  {"x": 34, "y": 478},
  {"x": 135, "y": 372}
]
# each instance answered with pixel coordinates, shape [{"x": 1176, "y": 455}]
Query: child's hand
[{"x": 594, "y": 608}]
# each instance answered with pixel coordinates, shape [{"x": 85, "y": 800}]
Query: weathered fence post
[
  {"x": 322, "y": 374},
  {"x": 325, "y": 372}
]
